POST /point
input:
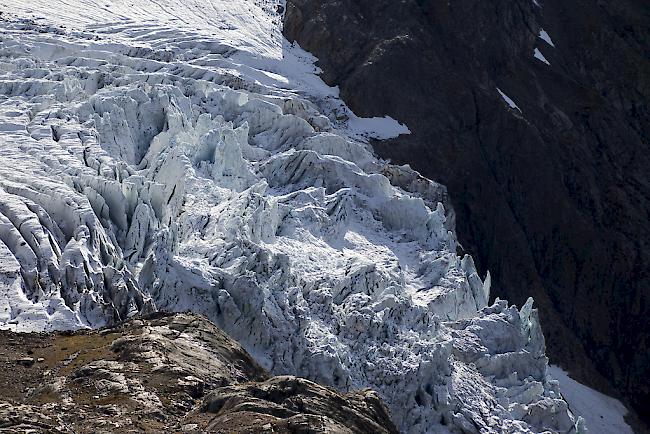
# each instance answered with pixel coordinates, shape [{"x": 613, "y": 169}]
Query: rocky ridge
[{"x": 172, "y": 373}]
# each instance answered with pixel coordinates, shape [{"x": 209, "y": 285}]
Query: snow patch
[
  {"x": 545, "y": 37},
  {"x": 508, "y": 100},
  {"x": 603, "y": 414},
  {"x": 539, "y": 56},
  {"x": 376, "y": 128}
]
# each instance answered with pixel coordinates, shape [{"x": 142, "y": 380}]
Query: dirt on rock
[{"x": 164, "y": 373}]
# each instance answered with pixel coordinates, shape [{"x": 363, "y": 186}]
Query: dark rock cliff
[{"x": 554, "y": 198}]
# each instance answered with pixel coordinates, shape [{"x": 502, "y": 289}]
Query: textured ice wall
[{"x": 138, "y": 175}]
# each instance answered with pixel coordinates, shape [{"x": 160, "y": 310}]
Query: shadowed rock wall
[{"x": 554, "y": 197}]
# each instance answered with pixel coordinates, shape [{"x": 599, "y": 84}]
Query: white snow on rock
[
  {"x": 378, "y": 127},
  {"x": 175, "y": 156},
  {"x": 543, "y": 35},
  {"x": 539, "y": 56},
  {"x": 603, "y": 414},
  {"x": 508, "y": 100}
]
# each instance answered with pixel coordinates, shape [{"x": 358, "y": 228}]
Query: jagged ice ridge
[{"x": 169, "y": 158}]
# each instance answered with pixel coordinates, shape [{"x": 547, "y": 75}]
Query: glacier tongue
[{"x": 146, "y": 166}]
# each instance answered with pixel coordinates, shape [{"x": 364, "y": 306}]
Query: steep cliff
[{"x": 535, "y": 115}]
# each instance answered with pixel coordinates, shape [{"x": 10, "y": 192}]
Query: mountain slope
[
  {"x": 170, "y": 156},
  {"x": 165, "y": 372},
  {"x": 535, "y": 115}
]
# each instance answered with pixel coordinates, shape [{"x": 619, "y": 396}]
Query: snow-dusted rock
[{"x": 157, "y": 167}]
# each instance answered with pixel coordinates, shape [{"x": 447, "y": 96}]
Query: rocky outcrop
[
  {"x": 535, "y": 115},
  {"x": 176, "y": 373}
]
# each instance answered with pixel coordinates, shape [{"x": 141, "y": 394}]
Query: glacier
[{"x": 168, "y": 156}]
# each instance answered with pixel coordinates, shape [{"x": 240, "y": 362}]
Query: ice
[
  {"x": 603, "y": 414},
  {"x": 184, "y": 156}
]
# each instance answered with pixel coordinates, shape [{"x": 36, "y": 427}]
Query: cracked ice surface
[{"x": 159, "y": 157}]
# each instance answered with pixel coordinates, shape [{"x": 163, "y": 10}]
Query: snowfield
[
  {"x": 602, "y": 414},
  {"x": 183, "y": 156}
]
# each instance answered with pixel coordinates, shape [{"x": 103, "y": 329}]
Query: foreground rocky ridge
[
  {"x": 172, "y": 373},
  {"x": 535, "y": 115},
  {"x": 154, "y": 162}
]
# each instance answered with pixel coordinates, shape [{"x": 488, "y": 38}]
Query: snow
[
  {"x": 538, "y": 55},
  {"x": 508, "y": 100},
  {"x": 184, "y": 156},
  {"x": 246, "y": 32},
  {"x": 378, "y": 128},
  {"x": 603, "y": 414},
  {"x": 545, "y": 37}
]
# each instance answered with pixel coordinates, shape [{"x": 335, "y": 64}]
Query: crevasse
[{"x": 149, "y": 167}]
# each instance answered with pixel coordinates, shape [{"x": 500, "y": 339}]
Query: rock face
[
  {"x": 535, "y": 115},
  {"x": 175, "y": 373}
]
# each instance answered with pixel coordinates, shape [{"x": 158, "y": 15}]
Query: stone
[
  {"x": 25, "y": 361},
  {"x": 145, "y": 388}
]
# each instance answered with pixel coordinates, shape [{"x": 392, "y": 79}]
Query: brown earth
[{"x": 164, "y": 373}]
